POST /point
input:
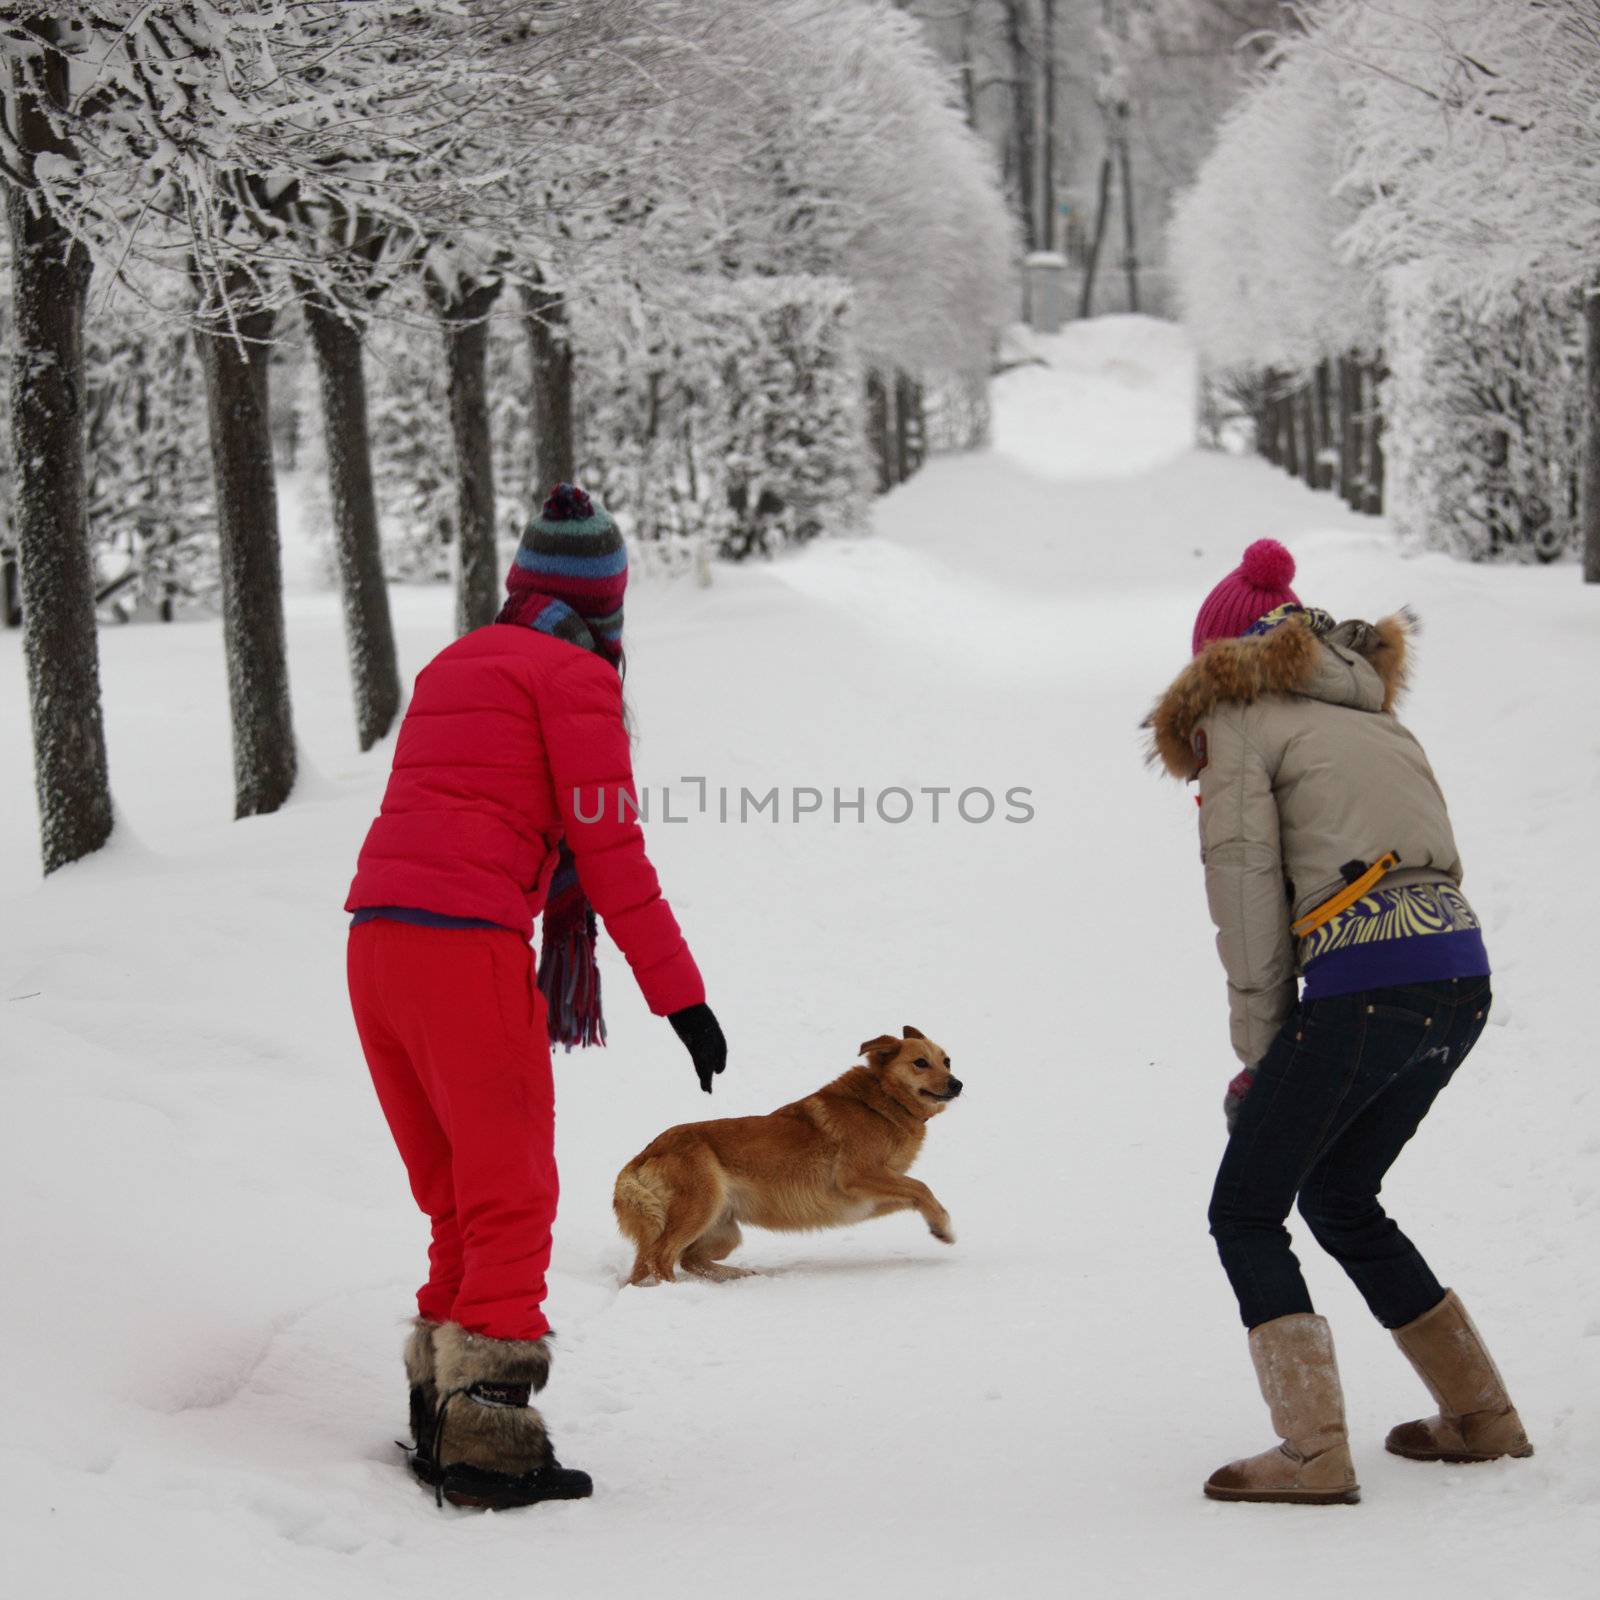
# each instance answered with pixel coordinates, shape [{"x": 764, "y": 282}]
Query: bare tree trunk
[
  {"x": 10, "y": 590},
  {"x": 969, "y": 86},
  {"x": 464, "y": 316},
  {"x": 1266, "y": 418},
  {"x": 1130, "y": 243},
  {"x": 550, "y": 351},
  {"x": 1289, "y": 424},
  {"x": 1309, "y": 443},
  {"x": 904, "y": 466},
  {"x": 368, "y": 627},
  {"x": 235, "y": 355},
  {"x": 1022, "y": 120},
  {"x": 1322, "y": 408},
  {"x": 910, "y": 425},
  {"x": 1047, "y": 233},
  {"x": 878, "y": 430},
  {"x": 1102, "y": 213},
  {"x": 1350, "y": 429},
  {"x": 1590, "y": 495},
  {"x": 50, "y": 290},
  {"x": 1376, "y": 373},
  {"x": 1266, "y": 432},
  {"x": 913, "y": 405}
]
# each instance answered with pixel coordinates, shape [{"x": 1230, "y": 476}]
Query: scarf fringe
[{"x": 569, "y": 975}]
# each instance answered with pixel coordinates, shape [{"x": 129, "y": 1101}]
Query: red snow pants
[{"x": 452, "y": 1024}]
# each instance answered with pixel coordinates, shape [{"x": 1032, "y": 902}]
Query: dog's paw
[
  {"x": 718, "y": 1272},
  {"x": 943, "y": 1230}
]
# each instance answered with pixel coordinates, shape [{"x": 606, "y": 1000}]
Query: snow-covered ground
[{"x": 209, "y": 1248}]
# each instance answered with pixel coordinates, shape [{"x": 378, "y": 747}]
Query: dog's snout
[{"x": 954, "y": 1088}]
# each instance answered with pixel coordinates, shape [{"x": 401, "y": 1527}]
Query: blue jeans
[{"x": 1345, "y": 1084}]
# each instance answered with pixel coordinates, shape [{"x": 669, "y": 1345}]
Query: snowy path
[{"x": 209, "y": 1246}]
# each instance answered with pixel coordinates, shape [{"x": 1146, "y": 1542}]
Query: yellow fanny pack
[{"x": 1360, "y": 879}]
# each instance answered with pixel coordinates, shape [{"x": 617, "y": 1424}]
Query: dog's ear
[
  {"x": 912, "y": 1033},
  {"x": 881, "y": 1049}
]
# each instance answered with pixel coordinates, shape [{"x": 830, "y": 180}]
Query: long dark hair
[{"x": 628, "y": 725}]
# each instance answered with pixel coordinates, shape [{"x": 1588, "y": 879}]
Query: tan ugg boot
[
  {"x": 1476, "y": 1420},
  {"x": 1299, "y": 1380},
  {"x": 490, "y": 1447}
]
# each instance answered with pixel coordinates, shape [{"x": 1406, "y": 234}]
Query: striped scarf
[{"x": 569, "y": 974}]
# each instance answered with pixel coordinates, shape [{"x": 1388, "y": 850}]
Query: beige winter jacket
[{"x": 1302, "y": 768}]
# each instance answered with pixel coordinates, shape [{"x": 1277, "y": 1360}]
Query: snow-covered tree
[
  {"x": 1139, "y": 87},
  {"x": 149, "y": 491},
  {"x": 739, "y": 429},
  {"x": 814, "y": 143},
  {"x": 1284, "y": 320},
  {"x": 554, "y": 157},
  {"x": 1475, "y": 135},
  {"x": 1262, "y": 278},
  {"x": 350, "y": 259},
  {"x": 1472, "y": 132},
  {"x": 1430, "y": 160},
  {"x": 1487, "y": 409},
  {"x": 164, "y": 137},
  {"x": 857, "y": 164},
  {"x": 50, "y": 273}
]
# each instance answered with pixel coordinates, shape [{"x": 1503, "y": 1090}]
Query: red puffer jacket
[{"x": 512, "y": 740}]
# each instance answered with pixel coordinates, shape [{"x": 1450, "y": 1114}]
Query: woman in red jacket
[{"x": 511, "y": 795}]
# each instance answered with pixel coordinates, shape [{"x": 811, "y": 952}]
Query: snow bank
[{"x": 209, "y": 1248}]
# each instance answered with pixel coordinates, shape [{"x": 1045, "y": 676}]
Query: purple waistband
[
  {"x": 417, "y": 918},
  {"x": 1418, "y": 958}
]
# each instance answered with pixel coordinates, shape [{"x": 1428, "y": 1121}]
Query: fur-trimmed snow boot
[
  {"x": 418, "y": 1357},
  {"x": 1299, "y": 1380},
  {"x": 1476, "y": 1420},
  {"x": 488, "y": 1446}
]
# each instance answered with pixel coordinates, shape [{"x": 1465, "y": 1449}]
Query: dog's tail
[{"x": 640, "y": 1202}]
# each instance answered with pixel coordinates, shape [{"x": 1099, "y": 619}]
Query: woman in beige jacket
[{"x": 1329, "y": 859}]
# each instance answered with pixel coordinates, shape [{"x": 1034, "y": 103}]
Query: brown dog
[{"x": 838, "y": 1156}]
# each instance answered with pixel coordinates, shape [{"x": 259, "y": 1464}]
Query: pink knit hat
[{"x": 1259, "y": 584}]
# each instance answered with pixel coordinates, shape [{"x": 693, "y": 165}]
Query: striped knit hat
[{"x": 571, "y": 558}]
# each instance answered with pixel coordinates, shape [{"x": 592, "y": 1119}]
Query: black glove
[{"x": 702, "y": 1038}]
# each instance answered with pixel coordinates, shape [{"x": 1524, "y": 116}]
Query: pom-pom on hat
[
  {"x": 1259, "y": 584},
  {"x": 573, "y": 552}
]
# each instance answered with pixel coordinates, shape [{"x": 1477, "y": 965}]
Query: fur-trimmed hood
[{"x": 1357, "y": 665}]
